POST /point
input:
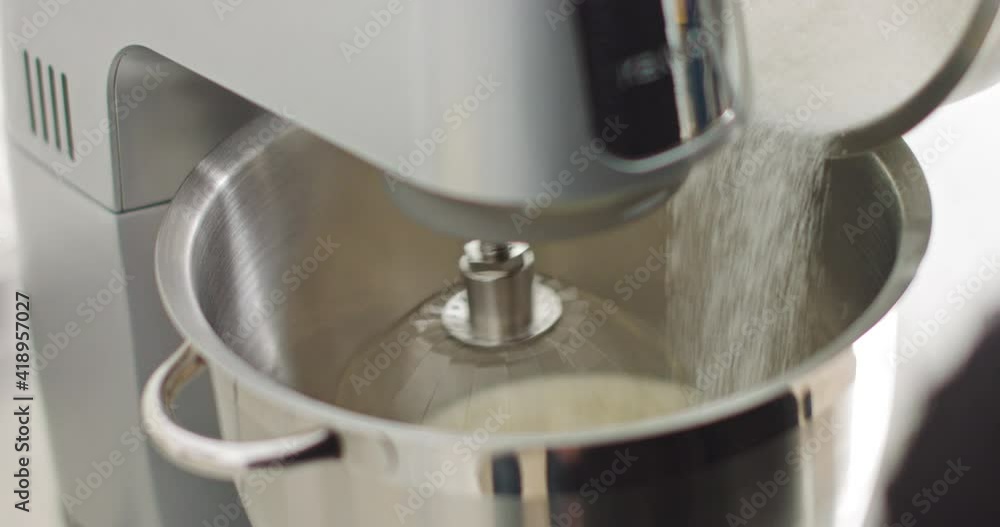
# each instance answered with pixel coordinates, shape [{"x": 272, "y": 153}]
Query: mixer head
[{"x": 597, "y": 118}]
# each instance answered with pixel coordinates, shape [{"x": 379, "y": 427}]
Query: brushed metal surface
[{"x": 246, "y": 220}]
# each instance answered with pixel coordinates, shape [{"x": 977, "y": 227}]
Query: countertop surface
[{"x": 958, "y": 282}]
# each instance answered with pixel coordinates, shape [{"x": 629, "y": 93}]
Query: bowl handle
[{"x": 217, "y": 458}]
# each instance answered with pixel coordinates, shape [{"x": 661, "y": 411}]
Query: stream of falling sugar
[{"x": 743, "y": 231}]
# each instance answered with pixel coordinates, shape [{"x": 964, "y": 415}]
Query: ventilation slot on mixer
[
  {"x": 48, "y": 109},
  {"x": 69, "y": 120},
  {"x": 55, "y": 108},
  {"x": 31, "y": 94},
  {"x": 41, "y": 100}
]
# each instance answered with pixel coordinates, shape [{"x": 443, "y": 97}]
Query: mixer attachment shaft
[{"x": 502, "y": 302}]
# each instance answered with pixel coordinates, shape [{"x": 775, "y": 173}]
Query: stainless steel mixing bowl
[{"x": 282, "y": 256}]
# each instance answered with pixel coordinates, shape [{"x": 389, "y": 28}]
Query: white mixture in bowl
[{"x": 563, "y": 403}]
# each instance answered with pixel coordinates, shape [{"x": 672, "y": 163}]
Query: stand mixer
[{"x": 111, "y": 106}]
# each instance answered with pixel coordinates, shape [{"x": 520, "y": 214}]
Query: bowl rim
[{"x": 179, "y": 231}]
